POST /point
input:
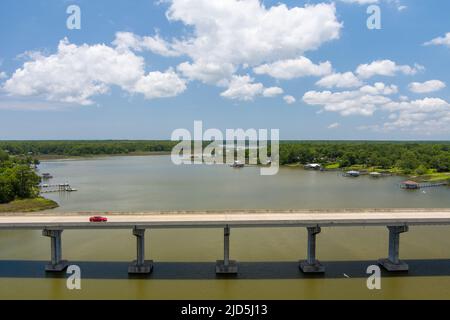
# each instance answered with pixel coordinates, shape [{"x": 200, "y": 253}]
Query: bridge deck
[{"x": 233, "y": 219}]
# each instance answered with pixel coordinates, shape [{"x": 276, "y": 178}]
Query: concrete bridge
[{"x": 397, "y": 222}]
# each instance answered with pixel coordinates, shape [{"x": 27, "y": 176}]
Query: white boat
[
  {"x": 237, "y": 164},
  {"x": 353, "y": 174}
]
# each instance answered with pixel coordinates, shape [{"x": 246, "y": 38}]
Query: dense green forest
[
  {"x": 18, "y": 179},
  {"x": 418, "y": 158},
  {"x": 402, "y": 157},
  {"x": 83, "y": 148}
]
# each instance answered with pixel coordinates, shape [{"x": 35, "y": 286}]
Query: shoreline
[
  {"x": 425, "y": 178},
  {"x": 39, "y": 204},
  {"x": 55, "y": 157}
]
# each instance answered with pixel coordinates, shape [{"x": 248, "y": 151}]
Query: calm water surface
[{"x": 185, "y": 258}]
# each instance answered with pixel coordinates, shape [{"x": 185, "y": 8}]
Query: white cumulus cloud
[
  {"x": 379, "y": 88},
  {"x": 427, "y": 86},
  {"x": 243, "y": 88},
  {"x": 340, "y": 80},
  {"x": 75, "y": 74},
  {"x": 272, "y": 92},
  {"x": 364, "y": 101},
  {"x": 440, "y": 41},
  {"x": 229, "y": 34},
  {"x": 207, "y": 72},
  {"x": 429, "y": 115},
  {"x": 294, "y": 68},
  {"x": 386, "y": 68},
  {"x": 130, "y": 41},
  {"x": 289, "y": 99}
]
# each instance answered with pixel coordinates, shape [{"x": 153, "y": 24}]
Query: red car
[{"x": 98, "y": 219}]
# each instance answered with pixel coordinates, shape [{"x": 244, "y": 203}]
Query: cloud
[
  {"x": 289, "y": 99},
  {"x": 379, "y": 88},
  {"x": 416, "y": 106},
  {"x": 220, "y": 38},
  {"x": 364, "y": 101},
  {"x": 3, "y": 75},
  {"x": 340, "y": 80},
  {"x": 272, "y": 92},
  {"x": 429, "y": 115},
  {"x": 130, "y": 41},
  {"x": 294, "y": 68},
  {"x": 229, "y": 34},
  {"x": 207, "y": 72},
  {"x": 159, "y": 85},
  {"x": 440, "y": 41},
  {"x": 242, "y": 88},
  {"x": 426, "y": 87},
  {"x": 386, "y": 68},
  {"x": 75, "y": 74},
  {"x": 334, "y": 125}
]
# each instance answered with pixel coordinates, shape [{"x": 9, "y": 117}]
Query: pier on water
[
  {"x": 62, "y": 187},
  {"x": 396, "y": 221}
]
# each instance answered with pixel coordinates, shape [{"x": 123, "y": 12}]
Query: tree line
[
  {"x": 83, "y": 148},
  {"x": 18, "y": 179},
  {"x": 407, "y": 157}
]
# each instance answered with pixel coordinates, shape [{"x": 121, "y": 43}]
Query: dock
[
  {"x": 396, "y": 221},
  {"x": 51, "y": 188}
]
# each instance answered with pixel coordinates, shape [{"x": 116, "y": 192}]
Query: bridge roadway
[
  {"x": 396, "y": 220},
  {"x": 212, "y": 219}
]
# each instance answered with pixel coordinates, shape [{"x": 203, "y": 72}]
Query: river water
[{"x": 185, "y": 259}]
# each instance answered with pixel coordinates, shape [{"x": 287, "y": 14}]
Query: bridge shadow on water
[{"x": 206, "y": 270}]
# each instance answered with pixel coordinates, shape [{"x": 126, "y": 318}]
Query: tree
[
  {"x": 3, "y": 156},
  {"x": 6, "y": 189}
]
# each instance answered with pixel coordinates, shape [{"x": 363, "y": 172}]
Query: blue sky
[{"x": 141, "y": 69}]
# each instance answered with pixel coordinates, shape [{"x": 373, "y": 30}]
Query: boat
[
  {"x": 353, "y": 174},
  {"x": 313, "y": 166},
  {"x": 375, "y": 174},
  {"x": 237, "y": 164}
]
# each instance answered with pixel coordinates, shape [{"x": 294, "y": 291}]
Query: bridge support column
[
  {"x": 56, "y": 264},
  {"x": 312, "y": 265},
  {"x": 226, "y": 266},
  {"x": 140, "y": 266},
  {"x": 393, "y": 263}
]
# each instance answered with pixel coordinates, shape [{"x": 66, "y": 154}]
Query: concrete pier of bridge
[{"x": 56, "y": 263}]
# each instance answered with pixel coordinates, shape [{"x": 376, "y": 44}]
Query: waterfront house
[{"x": 410, "y": 185}]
